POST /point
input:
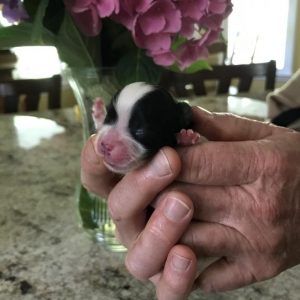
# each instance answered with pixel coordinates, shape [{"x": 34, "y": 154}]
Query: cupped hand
[
  {"x": 245, "y": 187},
  {"x": 151, "y": 238}
]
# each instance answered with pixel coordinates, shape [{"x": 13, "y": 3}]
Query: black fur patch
[
  {"x": 112, "y": 116},
  {"x": 156, "y": 118}
]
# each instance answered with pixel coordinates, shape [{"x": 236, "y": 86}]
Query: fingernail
[
  {"x": 180, "y": 263},
  {"x": 175, "y": 210},
  {"x": 160, "y": 166}
]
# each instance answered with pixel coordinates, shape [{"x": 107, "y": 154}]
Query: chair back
[
  {"x": 31, "y": 89},
  {"x": 181, "y": 84}
]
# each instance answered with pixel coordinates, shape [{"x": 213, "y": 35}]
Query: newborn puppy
[{"x": 140, "y": 120}]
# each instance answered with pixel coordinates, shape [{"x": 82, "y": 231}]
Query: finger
[
  {"x": 222, "y": 163},
  {"x": 95, "y": 177},
  {"x": 130, "y": 198},
  {"x": 178, "y": 275},
  {"x": 213, "y": 203},
  {"x": 149, "y": 252},
  {"x": 213, "y": 240},
  {"x": 228, "y": 127},
  {"x": 138, "y": 188},
  {"x": 224, "y": 275}
]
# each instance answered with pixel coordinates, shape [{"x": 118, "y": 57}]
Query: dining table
[{"x": 44, "y": 253}]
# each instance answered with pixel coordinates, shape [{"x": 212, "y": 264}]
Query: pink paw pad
[
  {"x": 187, "y": 137},
  {"x": 98, "y": 112}
]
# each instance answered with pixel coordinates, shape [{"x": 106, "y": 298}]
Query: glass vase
[{"x": 87, "y": 84}]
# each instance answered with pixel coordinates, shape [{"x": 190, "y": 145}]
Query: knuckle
[
  {"x": 114, "y": 208},
  {"x": 276, "y": 162},
  {"x": 271, "y": 245},
  {"x": 134, "y": 268},
  {"x": 278, "y": 242},
  {"x": 87, "y": 185},
  {"x": 253, "y": 165},
  {"x": 94, "y": 188},
  {"x": 246, "y": 276},
  {"x": 268, "y": 269},
  {"x": 274, "y": 267},
  {"x": 202, "y": 166},
  {"x": 157, "y": 232}
]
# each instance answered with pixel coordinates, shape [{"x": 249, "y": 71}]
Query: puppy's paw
[
  {"x": 98, "y": 112},
  {"x": 187, "y": 137}
]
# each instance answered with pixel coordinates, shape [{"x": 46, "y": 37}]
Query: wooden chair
[
  {"x": 12, "y": 91},
  {"x": 224, "y": 75},
  {"x": 8, "y": 62}
]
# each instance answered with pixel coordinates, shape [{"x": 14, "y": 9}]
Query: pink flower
[
  {"x": 88, "y": 13},
  {"x": 221, "y": 7},
  {"x": 193, "y": 9},
  {"x": 164, "y": 59},
  {"x": 155, "y": 25},
  {"x": 193, "y": 50},
  {"x": 154, "y": 28},
  {"x": 218, "y": 10},
  {"x": 129, "y": 10},
  {"x": 201, "y": 29}
]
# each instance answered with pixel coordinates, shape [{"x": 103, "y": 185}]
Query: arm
[{"x": 286, "y": 97}]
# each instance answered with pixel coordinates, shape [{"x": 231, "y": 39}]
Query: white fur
[
  {"x": 124, "y": 104},
  {"x": 126, "y": 100}
]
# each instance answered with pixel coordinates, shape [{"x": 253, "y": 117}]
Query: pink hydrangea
[
  {"x": 156, "y": 24},
  {"x": 193, "y": 50},
  {"x": 201, "y": 28},
  {"x": 130, "y": 10},
  {"x": 88, "y": 13},
  {"x": 218, "y": 10},
  {"x": 192, "y": 11},
  {"x": 154, "y": 28}
]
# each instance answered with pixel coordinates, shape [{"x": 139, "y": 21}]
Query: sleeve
[{"x": 286, "y": 97}]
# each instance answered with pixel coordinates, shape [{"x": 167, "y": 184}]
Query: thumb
[{"x": 95, "y": 177}]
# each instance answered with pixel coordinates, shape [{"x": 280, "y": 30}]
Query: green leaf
[
  {"x": 179, "y": 40},
  {"x": 136, "y": 66},
  {"x": 54, "y": 15},
  {"x": 38, "y": 27},
  {"x": 195, "y": 67},
  {"x": 87, "y": 207},
  {"x": 31, "y": 7},
  {"x": 71, "y": 48},
  {"x": 20, "y": 35},
  {"x": 68, "y": 42}
]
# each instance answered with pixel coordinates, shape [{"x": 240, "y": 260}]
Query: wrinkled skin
[{"x": 236, "y": 197}]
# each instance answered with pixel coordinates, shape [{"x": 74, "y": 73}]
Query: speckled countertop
[{"x": 44, "y": 254}]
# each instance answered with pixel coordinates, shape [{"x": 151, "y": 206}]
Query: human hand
[
  {"x": 176, "y": 284},
  {"x": 245, "y": 187},
  {"x": 151, "y": 241}
]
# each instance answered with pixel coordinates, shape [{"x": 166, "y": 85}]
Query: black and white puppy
[{"x": 140, "y": 119}]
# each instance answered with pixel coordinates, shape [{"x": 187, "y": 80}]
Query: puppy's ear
[{"x": 185, "y": 115}]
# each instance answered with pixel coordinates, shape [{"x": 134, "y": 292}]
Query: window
[
  {"x": 36, "y": 62},
  {"x": 261, "y": 30}
]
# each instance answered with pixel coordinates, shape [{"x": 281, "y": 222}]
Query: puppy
[{"x": 140, "y": 119}]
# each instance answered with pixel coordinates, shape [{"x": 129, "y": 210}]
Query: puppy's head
[{"x": 140, "y": 119}]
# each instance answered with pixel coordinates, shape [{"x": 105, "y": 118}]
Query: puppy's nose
[{"x": 106, "y": 148}]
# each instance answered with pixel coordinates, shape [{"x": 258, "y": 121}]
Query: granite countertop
[{"x": 44, "y": 254}]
